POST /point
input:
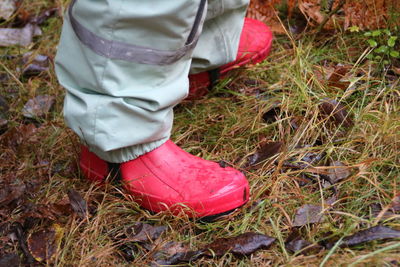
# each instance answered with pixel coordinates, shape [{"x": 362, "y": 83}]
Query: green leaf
[
  {"x": 387, "y": 32},
  {"x": 386, "y": 62},
  {"x": 376, "y": 33},
  {"x": 382, "y": 49},
  {"x": 378, "y": 57},
  {"x": 354, "y": 28},
  {"x": 370, "y": 56},
  {"x": 395, "y": 54},
  {"x": 372, "y": 42},
  {"x": 367, "y": 34},
  {"x": 392, "y": 41}
]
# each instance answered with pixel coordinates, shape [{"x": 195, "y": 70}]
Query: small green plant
[{"x": 384, "y": 44}]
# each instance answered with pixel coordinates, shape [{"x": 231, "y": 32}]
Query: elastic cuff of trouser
[{"x": 128, "y": 153}]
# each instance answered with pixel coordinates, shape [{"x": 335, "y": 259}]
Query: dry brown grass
[{"x": 230, "y": 128}]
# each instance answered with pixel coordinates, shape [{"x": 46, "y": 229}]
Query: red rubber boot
[
  {"x": 168, "y": 178},
  {"x": 254, "y": 47}
]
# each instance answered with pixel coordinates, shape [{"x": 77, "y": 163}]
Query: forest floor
[{"x": 315, "y": 128}]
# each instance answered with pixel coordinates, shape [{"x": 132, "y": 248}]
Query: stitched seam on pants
[{"x": 106, "y": 64}]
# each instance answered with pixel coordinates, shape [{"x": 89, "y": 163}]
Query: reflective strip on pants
[{"x": 124, "y": 65}]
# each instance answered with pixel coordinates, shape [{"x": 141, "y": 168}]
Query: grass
[{"x": 228, "y": 126}]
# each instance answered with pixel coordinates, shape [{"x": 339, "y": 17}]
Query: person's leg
[
  {"x": 228, "y": 41},
  {"x": 219, "y": 41},
  {"x": 124, "y": 65}
]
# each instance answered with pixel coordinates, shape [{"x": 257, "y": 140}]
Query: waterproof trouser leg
[{"x": 125, "y": 65}]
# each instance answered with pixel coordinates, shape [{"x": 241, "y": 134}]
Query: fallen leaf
[
  {"x": 339, "y": 72},
  {"x": 297, "y": 245},
  {"x": 22, "y": 37},
  {"x": 20, "y": 233},
  {"x": 11, "y": 192},
  {"x": 172, "y": 248},
  {"x": 241, "y": 245},
  {"x": 35, "y": 66},
  {"x": 311, "y": 11},
  {"x": 379, "y": 232},
  {"x": 307, "y": 160},
  {"x": 265, "y": 152},
  {"x": 7, "y": 8},
  {"x": 336, "y": 111},
  {"x": 165, "y": 255},
  {"x": 179, "y": 257},
  {"x": 43, "y": 244},
  {"x": 307, "y": 214},
  {"x": 78, "y": 204},
  {"x": 48, "y": 211},
  {"x": 17, "y": 135},
  {"x": 340, "y": 172},
  {"x": 10, "y": 260},
  {"x": 312, "y": 158},
  {"x": 38, "y": 106},
  {"x": 142, "y": 232}
]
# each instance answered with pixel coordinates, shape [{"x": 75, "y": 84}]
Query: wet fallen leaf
[
  {"x": 171, "y": 248},
  {"x": 306, "y": 160},
  {"x": 43, "y": 244},
  {"x": 340, "y": 172},
  {"x": 265, "y": 152},
  {"x": 78, "y": 204},
  {"x": 35, "y": 66},
  {"x": 20, "y": 233},
  {"x": 336, "y": 111},
  {"x": 165, "y": 255},
  {"x": 11, "y": 192},
  {"x": 142, "y": 232},
  {"x": 311, "y": 158},
  {"x": 7, "y": 8},
  {"x": 379, "y": 232},
  {"x": 307, "y": 214},
  {"x": 296, "y": 244},
  {"x": 38, "y": 106},
  {"x": 294, "y": 241},
  {"x": 339, "y": 72},
  {"x": 179, "y": 257},
  {"x": 17, "y": 135},
  {"x": 10, "y": 260},
  {"x": 22, "y": 37},
  {"x": 241, "y": 245},
  {"x": 48, "y": 211}
]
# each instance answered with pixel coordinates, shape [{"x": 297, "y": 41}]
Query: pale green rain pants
[{"x": 125, "y": 65}]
